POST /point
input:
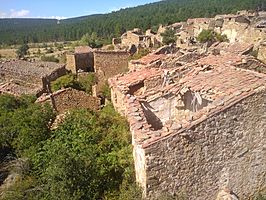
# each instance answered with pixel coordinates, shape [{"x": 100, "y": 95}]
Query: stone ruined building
[
  {"x": 193, "y": 127},
  {"x": 242, "y": 28},
  {"x": 136, "y": 39},
  {"x": 65, "y": 99},
  {"x": 157, "y": 58},
  {"x": 81, "y": 60},
  {"x": 197, "y": 25},
  {"x": 21, "y": 77},
  {"x": 245, "y": 27},
  {"x": 110, "y": 63},
  {"x": 105, "y": 63}
]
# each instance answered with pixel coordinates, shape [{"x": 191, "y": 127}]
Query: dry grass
[{"x": 8, "y": 53}]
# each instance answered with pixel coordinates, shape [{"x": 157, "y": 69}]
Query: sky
[{"x": 61, "y": 9}]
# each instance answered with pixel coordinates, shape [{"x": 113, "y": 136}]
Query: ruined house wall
[
  {"x": 110, "y": 63},
  {"x": 52, "y": 77},
  {"x": 67, "y": 99},
  {"x": 117, "y": 98},
  {"x": 242, "y": 32},
  {"x": 83, "y": 61},
  {"x": 71, "y": 63},
  {"x": 224, "y": 150},
  {"x": 130, "y": 38}
]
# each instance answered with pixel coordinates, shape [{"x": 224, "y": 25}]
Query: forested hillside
[{"x": 16, "y": 31}]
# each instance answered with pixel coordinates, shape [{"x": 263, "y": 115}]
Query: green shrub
[
  {"x": 50, "y": 59},
  {"x": 86, "y": 82},
  {"x": 22, "y": 51},
  {"x": 169, "y": 36},
  {"x": 88, "y": 158},
  {"x": 66, "y": 81},
  {"x": 23, "y": 124},
  {"x": 211, "y": 36},
  {"x": 106, "y": 91}
]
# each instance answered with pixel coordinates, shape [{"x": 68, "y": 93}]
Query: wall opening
[
  {"x": 152, "y": 119},
  {"x": 135, "y": 88}
]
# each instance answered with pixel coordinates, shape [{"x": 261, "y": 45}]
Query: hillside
[{"x": 16, "y": 31}]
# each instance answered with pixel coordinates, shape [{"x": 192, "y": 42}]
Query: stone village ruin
[
  {"x": 198, "y": 118},
  {"x": 197, "y": 113}
]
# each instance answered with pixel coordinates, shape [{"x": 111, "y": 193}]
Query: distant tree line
[{"x": 106, "y": 26}]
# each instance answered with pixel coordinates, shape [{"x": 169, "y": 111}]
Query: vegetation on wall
[{"x": 106, "y": 26}]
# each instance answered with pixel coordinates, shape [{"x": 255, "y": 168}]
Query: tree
[
  {"x": 91, "y": 40},
  {"x": 169, "y": 36},
  {"x": 23, "y": 124},
  {"x": 22, "y": 51},
  {"x": 211, "y": 36},
  {"x": 88, "y": 157}
]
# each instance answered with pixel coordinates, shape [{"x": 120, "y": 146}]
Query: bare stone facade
[
  {"x": 137, "y": 38},
  {"x": 110, "y": 63},
  {"x": 67, "y": 99},
  {"x": 193, "y": 126},
  {"x": 105, "y": 63},
  {"x": 222, "y": 151},
  {"x": 22, "y": 77},
  {"x": 81, "y": 60}
]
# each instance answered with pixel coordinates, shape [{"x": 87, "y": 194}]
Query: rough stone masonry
[{"x": 199, "y": 133}]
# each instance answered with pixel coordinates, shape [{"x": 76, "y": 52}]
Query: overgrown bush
[
  {"x": 23, "y": 124},
  {"x": 83, "y": 82},
  {"x": 86, "y": 82},
  {"x": 211, "y": 36},
  {"x": 50, "y": 59},
  {"x": 169, "y": 36},
  {"x": 106, "y": 91},
  {"x": 22, "y": 51},
  {"x": 66, "y": 81},
  {"x": 88, "y": 157}
]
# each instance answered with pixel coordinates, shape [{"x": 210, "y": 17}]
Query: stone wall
[
  {"x": 69, "y": 98},
  {"x": 80, "y": 61},
  {"x": 71, "y": 63},
  {"x": 242, "y": 32},
  {"x": 52, "y": 77},
  {"x": 110, "y": 63},
  {"x": 225, "y": 150},
  {"x": 130, "y": 38}
]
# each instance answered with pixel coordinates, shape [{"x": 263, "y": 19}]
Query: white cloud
[
  {"x": 18, "y": 13},
  {"x": 114, "y": 9},
  {"x": 52, "y": 17},
  {"x": 14, "y": 13}
]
